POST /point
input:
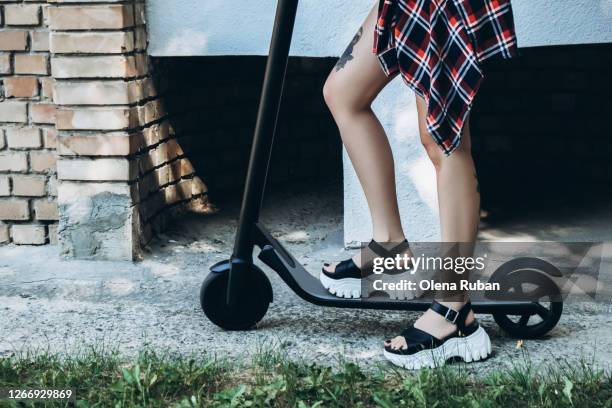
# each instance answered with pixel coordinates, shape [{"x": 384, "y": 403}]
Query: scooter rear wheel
[{"x": 250, "y": 306}]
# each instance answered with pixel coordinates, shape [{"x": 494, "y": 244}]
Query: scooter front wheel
[
  {"x": 529, "y": 278},
  {"x": 250, "y": 306},
  {"x": 531, "y": 326}
]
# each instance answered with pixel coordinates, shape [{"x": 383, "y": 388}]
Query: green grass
[{"x": 106, "y": 380}]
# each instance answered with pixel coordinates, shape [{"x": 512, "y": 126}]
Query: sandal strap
[
  {"x": 453, "y": 316},
  {"x": 383, "y": 252},
  {"x": 412, "y": 335},
  {"x": 345, "y": 269},
  {"x": 416, "y": 340},
  {"x": 348, "y": 269},
  {"x": 345, "y": 266}
]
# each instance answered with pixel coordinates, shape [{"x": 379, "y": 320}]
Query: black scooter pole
[{"x": 262, "y": 141}]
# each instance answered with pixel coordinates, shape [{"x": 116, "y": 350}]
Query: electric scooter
[{"x": 236, "y": 293}]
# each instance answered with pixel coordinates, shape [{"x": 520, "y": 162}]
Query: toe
[
  {"x": 399, "y": 343},
  {"x": 329, "y": 267}
]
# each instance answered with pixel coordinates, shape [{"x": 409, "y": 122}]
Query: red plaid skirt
[{"x": 438, "y": 47}]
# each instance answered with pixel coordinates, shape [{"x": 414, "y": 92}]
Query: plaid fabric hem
[{"x": 438, "y": 47}]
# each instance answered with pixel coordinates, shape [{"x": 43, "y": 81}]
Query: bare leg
[
  {"x": 459, "y": 205},
  {"x": 349, "y": 91}
]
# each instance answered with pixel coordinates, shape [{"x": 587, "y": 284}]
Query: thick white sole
[
  {"x": 474, "y": 347},
  {"x": 351, "y": 288}
]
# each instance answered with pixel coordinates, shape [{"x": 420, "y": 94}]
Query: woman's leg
[
  {"x": 459, "y": 206},
  {"x": 349, "y": 91}
]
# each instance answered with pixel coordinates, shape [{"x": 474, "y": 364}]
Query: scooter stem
[{"x": 264, "y": 135}]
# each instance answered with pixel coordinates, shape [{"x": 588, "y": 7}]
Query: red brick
[
  {"x": 47, "y": 87},
  {"x": 42, "y": 161},
  {"x": 42, "y": 113},
  {"x": 154, "y": 134},
  {"x": 198, "y": 187},
  {"x": 4, "y": 233},
  {"x": 21, "y": 87},
  {"x": 40, "y": 40},
  {"x": 45, "y": 210},
  {"x": 5, "y": 64},
  {"x": 31, "y": 64},
  {"x": 23, "y": 138},
  {"x": 117, "y": 42},
  {"x": 14, "y": 209},
  {"x": 90, "y": 17},
  {"x": 13, "y": 111},
  {"x": 5, "y": 185},
  {"x": 112, "y": 66},
  {"x": 13, "y": 161},
  {"x": 22, "y": 14},
  {"x": 27, "y": 185},
  {"x": 184, "y": 188},
  {"x": 28, "y": 234},
  {"x": 13, "y": 40},
  {"x": 52, "y": 235},
  {"x": 102, "y": 169},
  {"x": 50, "y": 138},
  {"x": 107, "y": 118},
  {"x": 119, "y": 144},
  {"x": 52, "y": 186},
  {"x": 98, "y": 92}
]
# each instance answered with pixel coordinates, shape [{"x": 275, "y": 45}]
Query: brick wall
[
  {"x": 28, "y": 185},
  {"x": 119, "y": 165},
  {"x": 84, "y": 136}
]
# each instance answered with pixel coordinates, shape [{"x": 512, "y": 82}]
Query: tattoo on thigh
[
  {"x": 348, "y": 53},
  {"x": 477, "y": 183}
]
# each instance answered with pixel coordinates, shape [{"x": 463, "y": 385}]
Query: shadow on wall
[
  {"x": 213, "y": 101},
  {"x": 541, "y": 129},
  {"x": 539, "y": 125}
]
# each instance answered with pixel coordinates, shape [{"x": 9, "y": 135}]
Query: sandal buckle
[{"x": 450, "y": 312}]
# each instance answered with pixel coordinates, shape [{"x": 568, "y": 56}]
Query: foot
[
  {"x": 434, "y": 324},
  {"x": 445, "y": 331},
  {"x": 344, "y": 279}
]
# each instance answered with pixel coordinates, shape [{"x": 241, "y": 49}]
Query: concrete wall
[{"x": 323, "y": 28}]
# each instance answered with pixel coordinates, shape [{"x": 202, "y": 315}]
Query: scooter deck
[{"x": 274, "y": 255}]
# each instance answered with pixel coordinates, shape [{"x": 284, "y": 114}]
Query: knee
[
  {"x": 332, "y": 95},
  {"x": 434, "y": 152},
  {"x": 339, "y": 100},
  {"x": 328, "y": 94}
]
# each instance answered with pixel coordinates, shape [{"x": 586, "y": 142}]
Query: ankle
[
  {"x": 382, "y": 237},
  {"x": 458, "y": 305},
  {"x": 455, "y": 305}
]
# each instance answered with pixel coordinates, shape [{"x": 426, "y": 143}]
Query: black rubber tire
[
  {"x": 534, "y": 271},
  {"x": 519, "y": 331},
  {"x": 250, "y": 308}
]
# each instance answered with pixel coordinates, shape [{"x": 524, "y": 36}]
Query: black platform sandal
[
  {"x": 469, "y": 342},
  {"x": 346, "y": 280}
]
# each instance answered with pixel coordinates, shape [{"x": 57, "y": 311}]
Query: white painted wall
[{"x": 323, "y": 28}]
